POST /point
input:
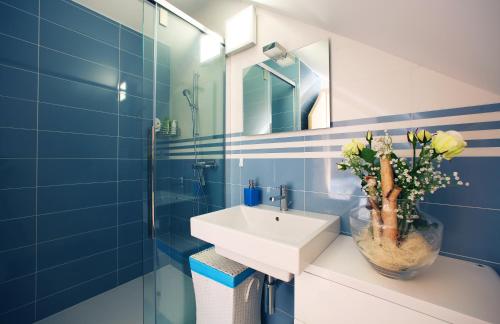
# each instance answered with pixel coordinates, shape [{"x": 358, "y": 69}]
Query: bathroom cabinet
[{"x": 341, "y": 287}]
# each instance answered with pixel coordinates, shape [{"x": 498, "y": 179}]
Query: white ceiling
[{"x": 459, "y": 38}]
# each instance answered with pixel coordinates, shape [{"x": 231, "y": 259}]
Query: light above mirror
[
  {"x": 241, "y": 31},
  {"x": 288, "y": 92}
]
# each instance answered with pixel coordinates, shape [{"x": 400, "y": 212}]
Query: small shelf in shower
[{"x": 169, "y": 134}]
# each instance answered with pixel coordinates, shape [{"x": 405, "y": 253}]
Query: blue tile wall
[
  {"x": 282, "y": 103},
  {"x": 72, "y": 155},
  {"x": 317, "y": 185},
  {"x": 256, "y": 101},
  {"x": 310, "y": 87}
]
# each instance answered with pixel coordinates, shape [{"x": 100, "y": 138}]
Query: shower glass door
[{"x": 186, "y": 156}]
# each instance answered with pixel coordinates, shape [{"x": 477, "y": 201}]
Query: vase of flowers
[{"x": 396, "y": 237}]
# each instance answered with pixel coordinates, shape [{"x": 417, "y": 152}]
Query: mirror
[{"x": 288, "y": 92}]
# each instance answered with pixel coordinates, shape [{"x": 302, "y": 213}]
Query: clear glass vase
[{"x": 399, "y": 251}]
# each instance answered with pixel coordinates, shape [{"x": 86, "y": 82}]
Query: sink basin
[{"x": 266, "y": 239}]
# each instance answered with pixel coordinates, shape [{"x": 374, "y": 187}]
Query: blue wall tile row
[
  {"x": 73, "y": 155},
  {"x": 17, "y": 233},
  {"x": 73, "y": 295},
  {"x": 22, "y": 315},
  {"x": 310, "y": 170},
  {"x": 72, "y": 145},
  {"x": 30, "y": 6},
  {"x": 16, "y": 203},
  {"x": 75, "y": 94},
  {"x": 17, "y": 83},
  {"x": 69, "y": 248},
  {"x": 17, "y": 293},
  {"x": 73, "y": 43},
  {"x": 69, "y": 197},
  {"x": 18, "y": 23},
  {"x": 70, "y": 67},
  {"x": 75, "y": 222},
  {"x": 17, "y": 173},
  {"x": 62, "y": 171},
  {"x": 77, "y": 18},
  {"x": 17, "y": 113},
  {"x": 69, "y": 120},
  {"x": 17, "y": 263},
  {"x": 71, "y": 274},
  {"x": 18, "y": 53}
]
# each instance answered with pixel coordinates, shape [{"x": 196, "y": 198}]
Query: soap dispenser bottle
[{"x": 252, "y": 194}]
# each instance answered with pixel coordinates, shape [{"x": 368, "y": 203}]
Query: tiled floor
[{"x": 124, "y": 304}]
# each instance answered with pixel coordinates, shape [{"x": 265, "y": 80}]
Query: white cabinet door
[{"x": 319, "y": 301}]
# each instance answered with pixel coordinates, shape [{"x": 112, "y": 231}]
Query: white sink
[{"x": 266, "y": 239}]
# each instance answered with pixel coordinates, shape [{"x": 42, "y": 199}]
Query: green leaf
[{"x": 368, "y": 155}]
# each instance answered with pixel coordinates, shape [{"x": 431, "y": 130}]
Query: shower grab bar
[{"x": 151, "y": 183}]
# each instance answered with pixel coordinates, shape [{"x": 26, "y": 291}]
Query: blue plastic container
[{"x": 252, "y": 196}]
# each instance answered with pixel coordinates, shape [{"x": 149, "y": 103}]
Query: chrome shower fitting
[{"x": 187, "y": 93}]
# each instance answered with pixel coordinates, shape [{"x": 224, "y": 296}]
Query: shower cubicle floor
[{"x": 125, "y": 304}]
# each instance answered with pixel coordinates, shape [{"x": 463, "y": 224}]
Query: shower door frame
[
  {"x": 151, "y": 221},
  {"x": 181, "y": 14}
]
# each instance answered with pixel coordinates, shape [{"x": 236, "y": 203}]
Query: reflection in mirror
[{"x": 288, "y": 92}]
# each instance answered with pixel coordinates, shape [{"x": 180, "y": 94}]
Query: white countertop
[{"x": 451, "y": 289}]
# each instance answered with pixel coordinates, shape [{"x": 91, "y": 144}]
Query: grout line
[
  {"x": 76, "y": 209},
  {"x": 142, "y": 77},
  {"x": 81, "y": 58},
  {"x": 60, "y": 238},
  {"x": 19, "y": 307},
  {"x": 79, "y": 33},
  {"x": 93, "y": 13},
  {"x": 76, "y": 285},
  {"x": 130, "y": 202},
  {"x": 89, "y": 110},
  {"x": 355, "y": 196},
  {"x": 17, "y": 188},
  {"x": 118, "y": 149},
  {"x": 17, "y": 98},
  {"x": 17, "y": 278},
  {"x": 78, "y": 259},
  {"x": 58, "y": 105},
  {"x": 16, "y": 218},
  {"x": 129, "y": 244},
  {"x": 89, "y": 207},
  {"x": 22, "y": 10},
  {"x": 462, "y": 206},
  {"x": 36, "y": 162},
  {"x": 18, "y": 128},
  {"x": 18, "y": 248},
  {"x": 76, "y": 184},
  {"x": 90, "y": 134},
  {"x": 17, "y": 68}
]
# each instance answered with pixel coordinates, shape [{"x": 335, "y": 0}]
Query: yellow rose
[
  {"x": 353, "y": 148},
  {"x": 424, "y": 136},
  {"x": 449, "y": 144},
  {"x": 410, "y": 135},
  {"x": 369, "y": 136}
]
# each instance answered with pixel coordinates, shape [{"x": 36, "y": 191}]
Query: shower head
[{"x": 187, "y": 93}]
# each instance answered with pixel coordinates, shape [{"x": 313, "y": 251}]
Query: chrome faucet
[{"x": 283, "y": 198}]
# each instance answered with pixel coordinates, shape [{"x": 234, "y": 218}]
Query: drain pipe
[{"x": 269, "y": 294}]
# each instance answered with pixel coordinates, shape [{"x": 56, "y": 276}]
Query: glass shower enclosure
[
  {"x": 185, "y": 154},
  {"x": 111, "y": 139}
]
